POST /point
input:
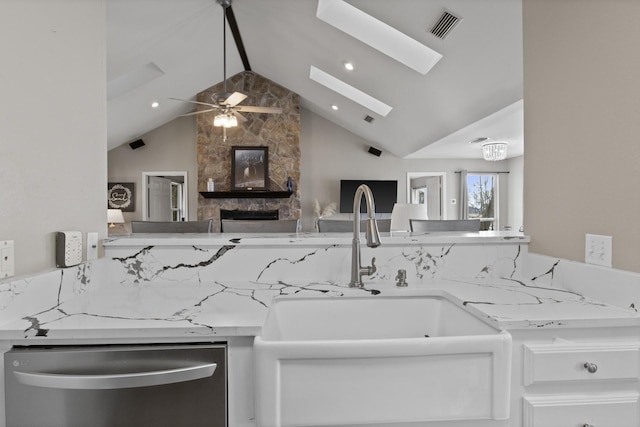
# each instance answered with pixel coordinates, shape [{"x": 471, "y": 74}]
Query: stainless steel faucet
[{"x": 372, "y": 235}]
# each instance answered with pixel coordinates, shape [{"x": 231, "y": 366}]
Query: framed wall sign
[
  {"x": 249, "y": 168},
  {"x": 121, "y": 196}
]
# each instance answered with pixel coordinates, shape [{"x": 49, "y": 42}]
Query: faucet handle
[{"x": 368, "y": 270}]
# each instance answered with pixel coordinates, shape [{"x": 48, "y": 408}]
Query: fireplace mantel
[{"x": 246, "y": 194}]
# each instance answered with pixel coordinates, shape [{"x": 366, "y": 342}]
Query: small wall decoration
[
  {"x": 249, "y": 168},
  {"x": 121, "y": 196}
]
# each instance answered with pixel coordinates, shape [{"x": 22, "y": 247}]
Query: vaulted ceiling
[{"x": 428, "y": 96}]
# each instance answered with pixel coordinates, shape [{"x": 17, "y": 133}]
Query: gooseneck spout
[{"x": 372, "y": 235}]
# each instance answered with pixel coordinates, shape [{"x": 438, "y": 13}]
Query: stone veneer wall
[{"x": 279, "y": 132}]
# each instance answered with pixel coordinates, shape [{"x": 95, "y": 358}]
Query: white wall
[
  {"x": 516, "y": 196},
  {"x": 581, "y": 108},
  {"x": 331, "y": 153},
  {"x": 53, "y": 151},
  {"x": 171, "y": 147}
]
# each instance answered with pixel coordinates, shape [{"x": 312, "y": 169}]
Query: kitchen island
[
  {"x": 218, "y": 288},
  {"x": 209, "y": 285}
]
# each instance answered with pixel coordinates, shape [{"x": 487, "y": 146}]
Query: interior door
[
  {"x": 159, "y": 198},
  {"x": 427, "y": 189}
]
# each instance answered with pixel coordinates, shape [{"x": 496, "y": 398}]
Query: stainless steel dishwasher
[{"x": 130, "y": 385}]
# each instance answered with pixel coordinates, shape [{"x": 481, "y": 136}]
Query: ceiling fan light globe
[{"x": 226, "y": 120}]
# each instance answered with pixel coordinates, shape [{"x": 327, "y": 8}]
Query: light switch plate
[
  {"x": 6, "y": 259},
  {"x": 92, "y": 246},
  {"x": 598, "y": 250}
]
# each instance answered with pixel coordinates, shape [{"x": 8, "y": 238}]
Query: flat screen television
[{"x": 385, "y": 194}]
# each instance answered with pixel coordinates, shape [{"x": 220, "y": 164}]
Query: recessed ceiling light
[
  {"x": 349, "y": 66},
  {"x": 155, "y": 104},
  {"x": 334, "y": 107}
]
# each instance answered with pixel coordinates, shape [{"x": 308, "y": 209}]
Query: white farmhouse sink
[{"x": 365, "y": 360}]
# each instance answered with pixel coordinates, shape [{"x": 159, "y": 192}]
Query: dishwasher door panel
[{"x": 106, "y": 386}]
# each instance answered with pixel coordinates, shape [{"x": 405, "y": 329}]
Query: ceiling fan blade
[
  {"x": 197, "y": 112},
  {"x": 256, "y": 109},
  {"x": 241, "y": 118},
  {"x": 234, "y": 99},
  {"x": 196, "y": 102}
]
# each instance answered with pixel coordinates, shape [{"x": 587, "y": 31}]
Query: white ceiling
[{"x": 158, "y": 50}]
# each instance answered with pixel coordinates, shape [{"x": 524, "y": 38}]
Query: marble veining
[
  {"x": 327, "y": 263},
  {"x": 171, "y": 306},
  {"x": 144, "y": 266},
  {"x": 616, "y": 287},
  {"x": 289, "y": 262},
  {"x": 240, "y": 308},
  {"x": 517, "y": 303},
  {"x": 214, "y": 288}
]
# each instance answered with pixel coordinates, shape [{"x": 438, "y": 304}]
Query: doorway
[
  {"x": 164, "y": 196},
  {"x": 427, "y": 188}
]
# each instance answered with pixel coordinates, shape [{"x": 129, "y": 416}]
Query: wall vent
[
  {"x": 479, "y": 140},
  {"x": 368, "y": 119},
  {"x": 445, "y": 24}
]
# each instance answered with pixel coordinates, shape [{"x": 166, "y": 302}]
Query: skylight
[
  {"x": 378, "y": 35},
  {"x": 349, "y": 91}
]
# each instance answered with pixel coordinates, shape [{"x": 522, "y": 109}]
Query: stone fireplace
[{"x": 279, "y": 132}]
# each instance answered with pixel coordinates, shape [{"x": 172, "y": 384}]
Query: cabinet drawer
[
  {"x": 581, "y": 362},
  {"x": 597, "y": 411}
]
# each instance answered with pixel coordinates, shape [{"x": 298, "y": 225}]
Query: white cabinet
[
  {"x": 591, "y": 410},
  {"x": 581, "y": 362},
  {"x": 580, "y": 383}
]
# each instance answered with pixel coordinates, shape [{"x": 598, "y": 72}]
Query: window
[{"x": 482, "y": 199}]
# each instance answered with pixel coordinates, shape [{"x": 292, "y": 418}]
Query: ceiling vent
[
  {"x": 368, "y": 119},
  {"x": 445, "y": 24},
  {"x": 478, "y": 140}
]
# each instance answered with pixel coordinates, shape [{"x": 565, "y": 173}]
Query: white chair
[
  {"x": 345, "y": 225},
  {"x": 259, "y": 226},
  {"x": 171, "y": 227},
  {"x": 426, "y": 225},
  {"x": 403, "y": 212}
]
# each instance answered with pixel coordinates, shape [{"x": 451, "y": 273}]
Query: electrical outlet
[
  {"x": 92, "y": 246},
  {"x": 6, "y": 259},
  {"x": 598, "y": 250}
]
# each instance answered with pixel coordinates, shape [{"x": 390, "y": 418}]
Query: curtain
[
  {"x": 463, "y": 198},
  {"x": 433, "y": 197}
]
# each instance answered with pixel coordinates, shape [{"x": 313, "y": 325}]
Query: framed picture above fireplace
[{"x": 250, "y": 168}]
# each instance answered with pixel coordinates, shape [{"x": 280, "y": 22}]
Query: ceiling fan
[{"x": 224, "y": 102}]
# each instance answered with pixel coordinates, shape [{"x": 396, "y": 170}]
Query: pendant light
[{"x": 494, "y": 150}]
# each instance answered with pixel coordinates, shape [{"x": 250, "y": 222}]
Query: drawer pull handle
[
  {"x": 592, "y": 368},
  {"x": 587, "y": 425}
]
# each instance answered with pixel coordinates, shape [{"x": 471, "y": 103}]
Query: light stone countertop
[
  {"x": 206, "y": 311},
  {"x": 279, "y": 239}
]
